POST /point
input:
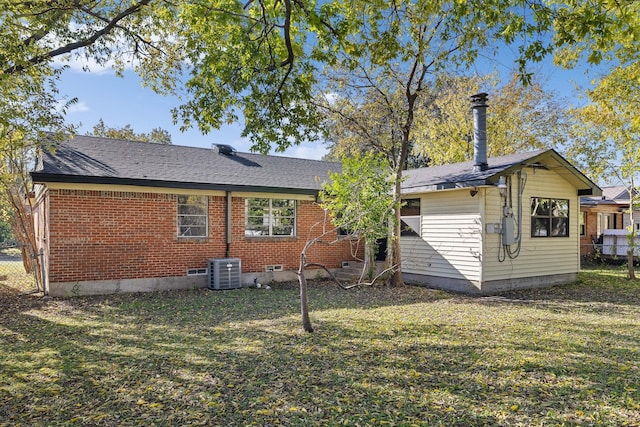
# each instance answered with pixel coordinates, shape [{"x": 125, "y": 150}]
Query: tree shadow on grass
[
  {"x": 400, "y": 356},
  {"x": 64, "y": 364},
  {"x": 598, "y": 291},
  {"x": 219, "y": 307}
]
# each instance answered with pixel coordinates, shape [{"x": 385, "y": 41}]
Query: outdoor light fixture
[{"x": 502, "y": 185}]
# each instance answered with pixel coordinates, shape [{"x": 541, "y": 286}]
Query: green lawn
[{"x": 412, "y": 356}]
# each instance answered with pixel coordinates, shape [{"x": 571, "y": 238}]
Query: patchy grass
[
  {"x": 563, "y": 356},
  {"x": 13, "y": 279}
]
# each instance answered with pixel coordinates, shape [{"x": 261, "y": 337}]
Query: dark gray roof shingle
[
  {"x": 615, "y": 195},
  {"x": 462, "y": 174},
  {"x": 102, "y": 160}
]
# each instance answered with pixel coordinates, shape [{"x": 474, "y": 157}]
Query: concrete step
[{"x": 353, "y": 271}]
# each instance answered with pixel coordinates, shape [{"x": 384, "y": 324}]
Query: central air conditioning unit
[{"x": 225, "y": 273}]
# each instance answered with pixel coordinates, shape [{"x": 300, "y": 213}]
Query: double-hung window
[
  {"x": 270, "y": 217},
  {"x": 192, "y": 216},
  {"x": 549, "y": 217}
]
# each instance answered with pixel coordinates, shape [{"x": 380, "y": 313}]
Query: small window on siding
[
  {"x": 549, "y": 217},
  {"x": 192, "y": 216},
  {"x": 410, "y": 218},
  {"x": 270, "y": 217}
]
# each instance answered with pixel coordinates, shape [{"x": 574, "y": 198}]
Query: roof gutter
[{"x": 43, "y": 178}]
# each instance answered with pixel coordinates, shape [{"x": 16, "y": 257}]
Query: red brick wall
[
  {"x": 106, "y": 235},
  {"x": 586, "y": 241}
]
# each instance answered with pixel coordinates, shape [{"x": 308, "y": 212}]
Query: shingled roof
[
  {"x": 88, "y": 159},
  {"x": 616, "y": 195},
  {"x": 461, "y": 175}
]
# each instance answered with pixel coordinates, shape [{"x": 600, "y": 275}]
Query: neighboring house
[
  {"x": 487, "y": 226},
  {"x": 123, "y": 216},
  {"x": 604, "y": 222}
]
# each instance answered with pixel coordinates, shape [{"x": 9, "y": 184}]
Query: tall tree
[
  {"x": 270, "y": 61},
  {"x": 157, "y": 135},
  {"x": 520, "y": 118},
  {"x": 357, "y": 200},
  {"x": 38, "y": 36},
  {"x": 607, "y": 140},
  {"x": 397, "y": 51}
]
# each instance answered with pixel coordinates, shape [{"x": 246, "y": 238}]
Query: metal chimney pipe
[{"x": 479, "y": 106}]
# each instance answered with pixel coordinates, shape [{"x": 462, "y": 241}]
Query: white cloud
[
  {"x": 78, "y": 107},
  {"x": 331, "y": 97},
  {"x": 307, "y": 151},
  {"x": 82, "y": 64}
]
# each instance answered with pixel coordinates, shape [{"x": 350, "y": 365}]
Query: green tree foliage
[
  {"x": 357, "y": 200},
  {"x": 599, "y": 31},
  {"x": 607, "y": 134},
  {"x": 6, "y": 233},
  {"x": 157, "y": 135},
  {"x": 267, "y": 60},
  {"x": 520, "y": 118},
  {"x": 387, "y": 68},
  {"x": 36, "y": 33},
  {"x": 271, "y": 61},
  {"x": 38, "y": 36}
]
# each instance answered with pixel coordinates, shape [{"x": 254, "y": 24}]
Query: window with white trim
[
  {"x": 549, "y": 217},
  {"x": 270, "y": 217},
  {"x": 583, "y": 224},
  {"x": 192, "y": 216}
]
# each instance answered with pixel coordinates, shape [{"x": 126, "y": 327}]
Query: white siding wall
[
  {"x": 450, "y": 245},
  {"x": 539, "y": 256},
  {"x": 626, "y": 219}
]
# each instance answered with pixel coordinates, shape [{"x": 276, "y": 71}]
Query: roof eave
[
  {"x": 44, "y": 178},
  {"x": 584, "y": 186},
  {"x": 588, "y": 187},
  {"x": 445, "y": 186}
]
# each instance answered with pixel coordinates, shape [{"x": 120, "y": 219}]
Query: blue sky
[{"x": 121, "y": 101}]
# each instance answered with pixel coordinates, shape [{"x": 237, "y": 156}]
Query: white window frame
[
  {"x": 269, "y": 218},
  {"x": 185, "y": 221}
]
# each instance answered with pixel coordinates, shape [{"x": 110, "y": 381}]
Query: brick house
[
  {"x": 605, "y": 215},
  {"x": 123, "y": 216}
]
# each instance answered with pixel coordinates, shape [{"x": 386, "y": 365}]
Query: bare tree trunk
[
  {"x": 14, "y": 185},
  {"x": 369, "y": 259},
  {"x": 396, "y": 280},
  {"x": 304, "y": 305},
  {"x": 631, "y": 236}
]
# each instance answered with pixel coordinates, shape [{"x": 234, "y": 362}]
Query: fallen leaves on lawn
[{"x": 412, "y": 356}]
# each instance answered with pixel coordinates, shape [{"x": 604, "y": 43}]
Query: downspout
[{"x": 227, "y": 224}]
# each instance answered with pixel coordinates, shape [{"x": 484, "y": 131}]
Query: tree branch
[{"x": 70, "y": 47}]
